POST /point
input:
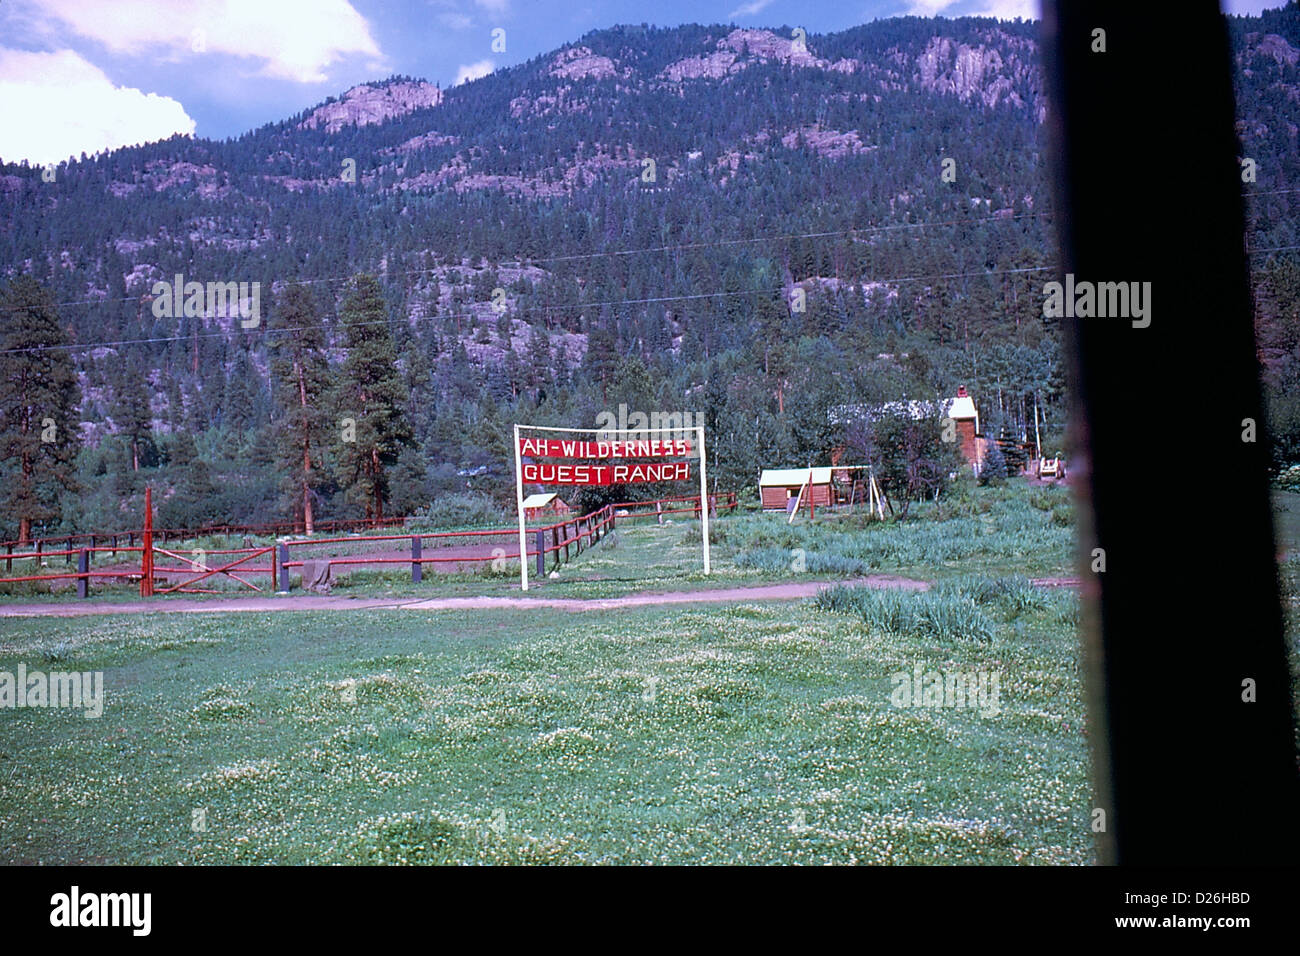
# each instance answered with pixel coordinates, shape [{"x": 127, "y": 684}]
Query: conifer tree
[
  {"x": 371, "y": 393},
  {"x": 132, "y": 412},
  {"x": 39, "y": 400},
  {"x": 301, "y": 373}
]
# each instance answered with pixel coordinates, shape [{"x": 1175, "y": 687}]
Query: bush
[
  {"x": 994, "y": 469},
  {"x": 463, "y": 510}
]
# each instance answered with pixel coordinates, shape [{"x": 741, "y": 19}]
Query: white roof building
[
  {"x": 960, "y": 408},
  {"x": 791, "y": 477}
]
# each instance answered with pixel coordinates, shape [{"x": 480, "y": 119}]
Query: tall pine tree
[
  {"x": 39, "y": 400},
  {"x": 302, "y": 382},
  {"x": 371, "y": 393}
]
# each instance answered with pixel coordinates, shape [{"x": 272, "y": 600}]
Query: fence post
[
  {"x": 83, "y": 568},
  {"x": 67, "y": 558},
  {"x": 555, "y": 543},
  {"x": 39, "y": 544},
  {"x": 541, "y": 553},
  {"x": 281, "y": 557},
  {"x": 9, "y": 562},
  {"x": 417, "y": 569}
]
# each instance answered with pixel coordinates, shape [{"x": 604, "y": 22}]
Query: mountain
[{"x": 650, "y": 204}]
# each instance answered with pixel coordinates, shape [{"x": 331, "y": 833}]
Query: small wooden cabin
[
  {"x": 541, "y": 506},
  {"x": 779, "y": 487}
]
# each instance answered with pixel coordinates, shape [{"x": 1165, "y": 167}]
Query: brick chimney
[{"x": 961, "y": 391}]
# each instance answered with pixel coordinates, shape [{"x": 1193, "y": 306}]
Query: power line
[
  {"x": 521, "y": 263},
  {"x": 90, "y": 346}
]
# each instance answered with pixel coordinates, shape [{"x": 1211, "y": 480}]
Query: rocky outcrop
[
  {"x": 739, "y": 48},
  {"x": 978, "y": 72},
  {"x": 830, "y": 143},
  {"x": 1270, "y": 46},
  {"x": 578, "y": 63},
  {"x": 373, "y": 103}
]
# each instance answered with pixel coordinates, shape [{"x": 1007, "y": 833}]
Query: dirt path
[{"x": 309, "y": 602}]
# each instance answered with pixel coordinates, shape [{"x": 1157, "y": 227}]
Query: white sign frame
[{"x": 519, "y": 482}]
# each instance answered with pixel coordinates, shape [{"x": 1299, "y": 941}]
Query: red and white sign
[
  {"x": 584, "y": 472},
  {"x": 651, "y": 448},
  {"x": 548, "y": 473}
]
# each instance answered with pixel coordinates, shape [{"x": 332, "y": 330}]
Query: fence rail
[
  {"x": 562, "y": 540},
  {"x": 131, "y": 534}
]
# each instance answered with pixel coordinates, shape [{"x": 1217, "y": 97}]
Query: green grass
[
  {"x": 1014, "y": 529},
  {"x": 722, "y": 734},
  {"x": 733, "y": 734}
]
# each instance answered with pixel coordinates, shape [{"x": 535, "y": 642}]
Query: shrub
[
  {"x": 994, "y": 469},
  {"x": 463, "y": 510}
]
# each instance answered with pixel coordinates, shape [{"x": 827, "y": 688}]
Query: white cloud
[
  {"x": 928, "y": 8},
  {"x": 1001, "y": 9},
  {"x": 494, "y": 6},
  {"x": 1010, "y": 9},
  {"x": 295, "y": 39},
  {"x": 56, "y": 105},
  {"x": 472, "y": 71},
  {"x": 749, "y": 9}
]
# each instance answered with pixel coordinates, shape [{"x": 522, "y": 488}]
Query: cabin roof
[
  {"x": 789, "y": 477},
  {"x": 539, "y": 500}
]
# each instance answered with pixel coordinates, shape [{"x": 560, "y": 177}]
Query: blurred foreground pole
[{"x": 1190, "y": 705}]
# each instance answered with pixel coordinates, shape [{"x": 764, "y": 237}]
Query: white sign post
[
  {"x": 704, "y": 501},
  {"x": 519, "y": 504}
]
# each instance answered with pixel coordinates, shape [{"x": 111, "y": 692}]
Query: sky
[{"x": 88, "y": 75}]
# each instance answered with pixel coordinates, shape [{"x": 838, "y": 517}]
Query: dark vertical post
[
  {"x": 541, "y": 553},
  {"x": 417, "y": 569},
  {"x": 282, "y": 558},
  {"x": 83, "y": 569},
  {"x": 67, "y": 557},
  {"x": 9, "y": 562},
  {"x": 1190, "y": 702}
]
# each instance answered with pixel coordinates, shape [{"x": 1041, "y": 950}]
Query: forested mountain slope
[{"x": 628, "y": 219}]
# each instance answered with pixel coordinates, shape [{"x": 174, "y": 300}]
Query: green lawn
[{"x": 745, "y": 733}]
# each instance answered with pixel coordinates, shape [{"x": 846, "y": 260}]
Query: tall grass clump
[
  {"x": 1013, "y": 595},
  {"x": 935, "y": 616}
]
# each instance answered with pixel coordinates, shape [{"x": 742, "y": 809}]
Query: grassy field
[{"x": 730, "y": 733}]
